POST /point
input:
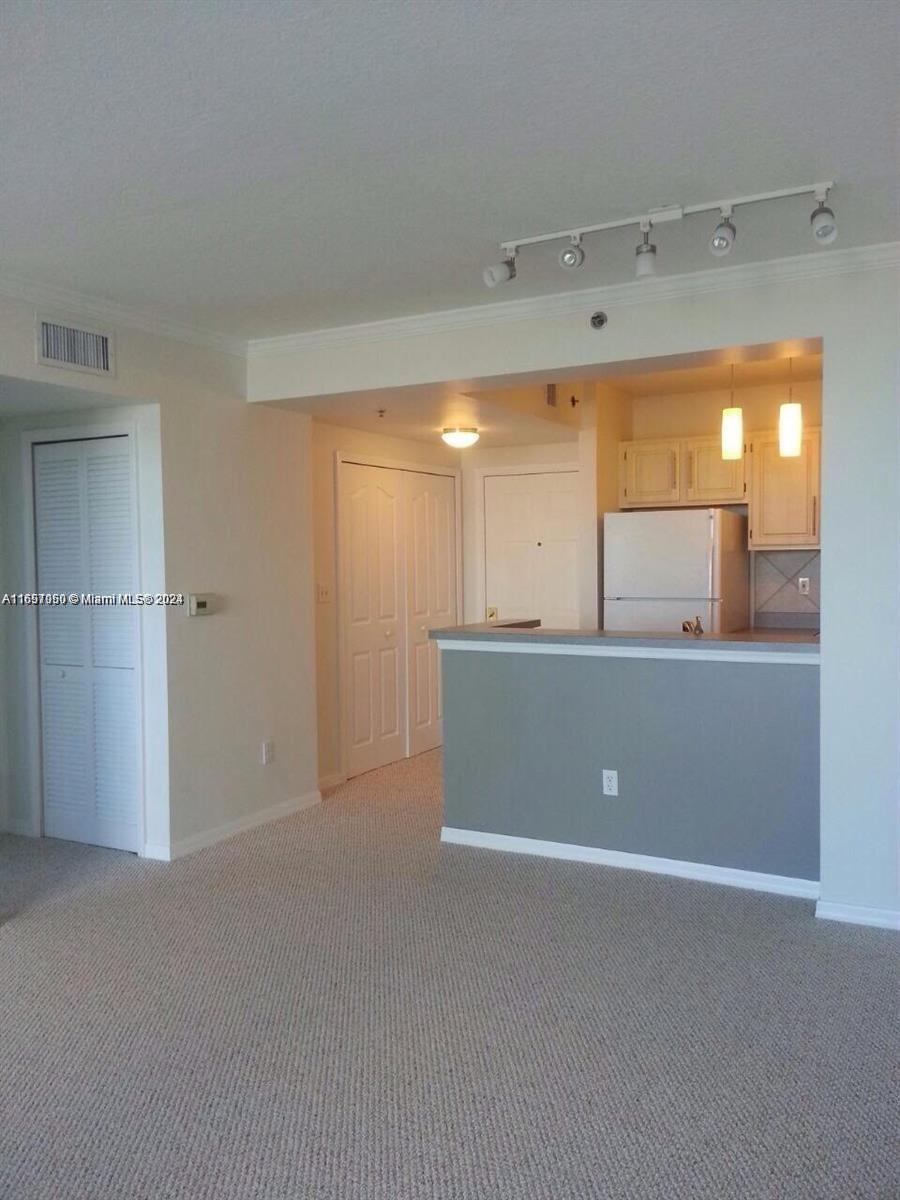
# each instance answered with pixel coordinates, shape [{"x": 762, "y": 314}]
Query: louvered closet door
[{"x": 85, "y": 542}]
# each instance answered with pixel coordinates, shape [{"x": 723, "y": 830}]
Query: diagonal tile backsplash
[{"x": 776, "y": 591}]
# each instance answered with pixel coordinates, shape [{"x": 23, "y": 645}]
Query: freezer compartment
[
  {"x": 660, "y": 616},
  {"x": 659, "y": 554}
]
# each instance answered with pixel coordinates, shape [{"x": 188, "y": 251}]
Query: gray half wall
[{"x": 718, "y": 761}]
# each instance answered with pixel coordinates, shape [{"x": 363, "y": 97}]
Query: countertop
[{"x": 772, "y": 641}]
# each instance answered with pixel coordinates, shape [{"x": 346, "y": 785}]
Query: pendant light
[
  {"x": 790, "y": 422},
  {"x": 732, "y": 428}
]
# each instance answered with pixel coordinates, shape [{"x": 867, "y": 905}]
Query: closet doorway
[{"x": 398, "y": 556}]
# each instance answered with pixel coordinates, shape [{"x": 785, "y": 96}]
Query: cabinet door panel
[
  {"x": 650, "y": 473},
  {"x": 784, "y": 496},
  {"x": 708, "y": 478}
]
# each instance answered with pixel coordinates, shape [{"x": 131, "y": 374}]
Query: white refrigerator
[{"x": 663, "y": 568}]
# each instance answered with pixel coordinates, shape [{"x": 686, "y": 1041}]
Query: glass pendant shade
[
  {"x": 732, "y": 434},
  {"x": 790, "y": 430}
]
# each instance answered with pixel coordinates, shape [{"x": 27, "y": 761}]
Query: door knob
[{"x": 388, "y": 633}]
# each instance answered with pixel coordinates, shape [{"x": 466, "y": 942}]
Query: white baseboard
[
  {"x": 158, "y": 853},
  {"x": 331, "y": 781},
  {"x": 199, "y": 841},
  {"x": 782, "y": 885},
  {"x": 858, "y": 914}
]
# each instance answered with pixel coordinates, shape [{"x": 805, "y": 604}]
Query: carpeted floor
[{"x": 337, "y": 1007}]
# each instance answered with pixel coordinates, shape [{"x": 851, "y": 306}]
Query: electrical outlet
[
  {"x": 323, "y": 593},
  {"x": 803, "y": 585},
  {"x": 267, "y": 752},
  {"x": 610, "y": 783}
]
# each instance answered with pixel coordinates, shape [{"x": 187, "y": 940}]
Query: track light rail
[{"x": 660, "y": 216}]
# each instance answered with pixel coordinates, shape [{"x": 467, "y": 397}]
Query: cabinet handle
[
  {"x": 674, "y": 471},
  {"x": 815, "y": 516},
  {"x": 690, "y": 469}
]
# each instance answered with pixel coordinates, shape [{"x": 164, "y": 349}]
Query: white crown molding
[
  {"x": 813, "y": 265},
  {"x": 77, "y": 304}
]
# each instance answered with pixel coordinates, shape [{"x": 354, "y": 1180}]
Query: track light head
[
  {"x": 823, "y": 224},
  {"x": 572, "y": 256},
  {"x": 645, "y": 257},
  {"x": 504, "y": 272},
  {"x": 723, "y": 237}
]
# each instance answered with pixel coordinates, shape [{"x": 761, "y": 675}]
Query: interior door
[
  {"x": 86, "y": 542},
  {"x": 372, "y": 617},
  {"x": 431, "y": 598},
  {"x": 531, "y": 547}
]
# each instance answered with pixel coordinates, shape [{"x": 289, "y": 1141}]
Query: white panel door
[
  {"x": 431, "y": 598},
  {"x": 86, "y": 542},
  {"x": 531, "y": 547},
  {"x": 372, "y": 603}
]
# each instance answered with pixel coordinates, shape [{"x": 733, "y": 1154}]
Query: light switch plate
[{"x": 492, "y": 612}]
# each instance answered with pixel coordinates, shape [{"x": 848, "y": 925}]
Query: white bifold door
[
  {"x": 397, "y": 532},
  {"x": 86, "y": 544}
]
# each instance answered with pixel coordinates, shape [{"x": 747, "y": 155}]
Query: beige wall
[
  {"x": 851, "y": 300},
  {"x": 236, "y": 509},
  {"x": 326, "y": 440},
  {"x": 687, "y": 414}
]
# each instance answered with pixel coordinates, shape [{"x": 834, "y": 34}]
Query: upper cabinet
[
  {"x": 649, "y": 473},
  {"x": 784, "y": 493},
  {"x": 678, "y": 471},
  {"x": 708, "y": 478}
]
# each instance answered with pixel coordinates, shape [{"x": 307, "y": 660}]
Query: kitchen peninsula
[{"x": 714, "y": 742}]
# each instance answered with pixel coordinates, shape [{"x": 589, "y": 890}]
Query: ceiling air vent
[
  {"x": 61, "y": 345},
  {"x": 551, "y": 394}
]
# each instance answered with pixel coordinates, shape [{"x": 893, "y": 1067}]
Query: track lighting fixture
[
  {"x": 504, "y": 272},
  {"x": 723, "y": 235},
  {"x": 645, "y": 256},
  {"x": 571, "y": 257},
  {"x": 459, "y": 438},
  {"x": 822, "y": 222}
]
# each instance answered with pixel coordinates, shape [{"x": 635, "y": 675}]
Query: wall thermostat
[{"x": 201, "y": 604}]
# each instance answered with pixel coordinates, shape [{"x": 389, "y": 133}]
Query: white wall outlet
[
  {"x": 323, "y": 593},
  {"x": 610, "y": 783},
  {"x": 267, "y": 752},
  {"x": 803, "y": 585}
]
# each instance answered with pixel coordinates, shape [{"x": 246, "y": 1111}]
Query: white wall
[
  {"x": 326, "y": 440},
  {"x": 237, "y": 512},
  {"x": 852, "y": 301}
]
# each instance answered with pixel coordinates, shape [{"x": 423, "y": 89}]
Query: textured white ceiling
[{"x": 257, "y": 167}]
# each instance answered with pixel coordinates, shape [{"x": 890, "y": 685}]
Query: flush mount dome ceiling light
[
  {"x": 572, "y": 256},
  {"x": 460, "y": 438}
]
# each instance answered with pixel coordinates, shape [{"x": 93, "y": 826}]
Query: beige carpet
[{"x": 337, "y": 1007}]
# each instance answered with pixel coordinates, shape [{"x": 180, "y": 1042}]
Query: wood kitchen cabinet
[
  {"x": 650, "y": 473},
  {"x": 784, "y": 493},
  {"x": 707, "y": 477},
  {"x": 678, "y": 471}
]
